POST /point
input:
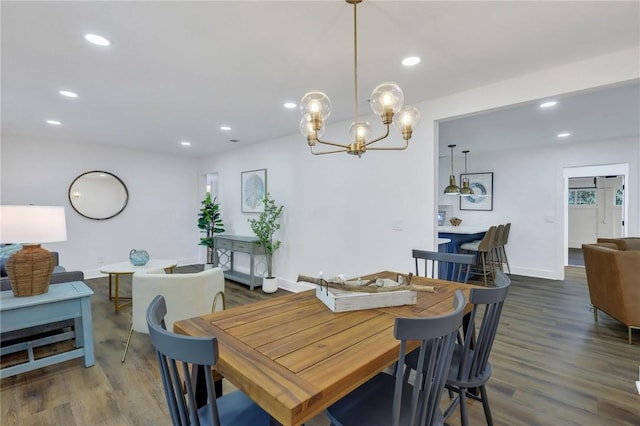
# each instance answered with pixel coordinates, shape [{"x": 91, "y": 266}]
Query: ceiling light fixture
[
  {"x": 452, "y": 189},
  {"x": 54, "y": 122},
  {"x": 225, "y": 128},
  {"x": 548, "y": 104},
  {"x": 410, "y": 61},
  {"x": 185, "y": 143},
  {"x": 68, "y": 94},
  {"x": 290, "y": 105},
  {"x": 97, "y": 40},
  {"x": 466, "y": 190},
  {"x": 386, "y": 101},
  {"x": 563, "y": 135}
]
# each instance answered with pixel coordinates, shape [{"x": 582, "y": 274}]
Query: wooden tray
[{"x": 343, "y": 301}]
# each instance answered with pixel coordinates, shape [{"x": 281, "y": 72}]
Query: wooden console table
[
  {"x": 226, "y": 245},
  {"x": 70, "y": 300}
]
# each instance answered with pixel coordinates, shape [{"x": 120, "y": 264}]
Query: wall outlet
[{"x": 396, "y": 224}]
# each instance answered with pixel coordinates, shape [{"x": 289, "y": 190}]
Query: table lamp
[{"x": 30, "y": 268}]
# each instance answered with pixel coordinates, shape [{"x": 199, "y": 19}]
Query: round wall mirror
[{"x": 98, "y": 195}]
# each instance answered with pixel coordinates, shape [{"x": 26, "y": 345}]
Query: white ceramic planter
[{"x": 269, "y": 285}]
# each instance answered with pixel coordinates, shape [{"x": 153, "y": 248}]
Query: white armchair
[{"x": 186, "y": 295}]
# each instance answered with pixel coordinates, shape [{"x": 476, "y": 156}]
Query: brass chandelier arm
[
  {"x": 380, "y": 138},
  {"x": 390, "y": 148},
  {"x": 332, "y": 144},
  {"x": 327, "y": 152}
]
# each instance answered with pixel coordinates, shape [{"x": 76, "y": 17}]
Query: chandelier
[{"x": 386, "y": 101}]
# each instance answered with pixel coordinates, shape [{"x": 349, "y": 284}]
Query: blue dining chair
[
  {"x": 188, "y": 354},
  {"x": 470, "y": 367},
  {"x": 451, "y": 266},
  {"x": 388, "y": 399}
]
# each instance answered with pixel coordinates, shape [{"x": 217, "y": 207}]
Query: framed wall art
[
  {"x": 482, "y": 186},
  {"x": 254, "y": 188}
]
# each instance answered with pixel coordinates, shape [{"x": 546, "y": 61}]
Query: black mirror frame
[{"x": 126, "y": 190}]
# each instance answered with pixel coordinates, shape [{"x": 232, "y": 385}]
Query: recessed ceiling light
[
  {"x": 97, "y": 40},
  {"x": 234, "y": 140},
  {"x": 548, "y": 104},
  {"x": 225, "y": 128},
  {"x": 290, "y": 105},
  {"x": 54, "y": 122},
  {"x": 410, "y": 61},
  {"x": 563, "y": 135},
  {"x": 185, "y": 143},
  {"x": 68, "y": 94}
]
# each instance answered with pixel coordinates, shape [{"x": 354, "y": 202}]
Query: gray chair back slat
[
  {"x": 438, "y": 337},
  {"x": 451, "y": 266},
  {"x": 190, "y": 352},
  {"x": 390, "y": 399},
  {"x": 475, "y": 352}
]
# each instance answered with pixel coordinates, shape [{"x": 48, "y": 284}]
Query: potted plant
[
  {"x": 210, "y": 223},
  {"x": 264, "y": 227}
]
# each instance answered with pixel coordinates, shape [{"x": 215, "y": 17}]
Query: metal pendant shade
[
  {"x": 452, "y": 189},
  {"x": 466, "y": 190}
]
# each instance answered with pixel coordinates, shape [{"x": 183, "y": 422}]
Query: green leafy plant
[
  {"x": 210, "y": 223},
  {"x": 265, "y": 226}
]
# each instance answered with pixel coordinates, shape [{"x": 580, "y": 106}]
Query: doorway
[{"x": 595, "y": 207}]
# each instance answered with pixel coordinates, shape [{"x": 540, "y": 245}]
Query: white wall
[
  {"x": 528, "y": 192},
  {"x": 160, "y": 217},
  {"x": 338, "y": 209}
]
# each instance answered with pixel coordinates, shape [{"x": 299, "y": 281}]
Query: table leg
[
  {"x": 117, "y": 304},
  {"x": 87, "y": 332},
  {"x": 201, "y": 387},
  {"x": 110, "y": 296}
]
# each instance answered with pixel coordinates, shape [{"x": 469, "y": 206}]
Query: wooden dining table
[{"x": 295, "y": 357}]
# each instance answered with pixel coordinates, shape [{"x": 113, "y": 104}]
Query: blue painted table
[{"x": 70, "y": 300}]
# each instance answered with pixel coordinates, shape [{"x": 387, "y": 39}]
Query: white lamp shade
[{"x": 32, "y": 224}]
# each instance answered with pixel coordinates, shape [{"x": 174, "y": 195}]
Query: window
[
  {"x": 582, "y": 197},
  {"x": 619, "y": 197}
]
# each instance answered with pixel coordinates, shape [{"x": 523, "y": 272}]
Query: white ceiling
[
  {"x": 179, "y": 70},
  {"x": 603, "y": 113}
]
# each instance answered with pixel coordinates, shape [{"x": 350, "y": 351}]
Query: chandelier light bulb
[
  {"x": 306, "y": 129},
  {"x": 360, "y": 131},
  {"x": 406, "y": 120},
  {"x": 317, "y": 104},
  {"x": 386, "y": 100}
]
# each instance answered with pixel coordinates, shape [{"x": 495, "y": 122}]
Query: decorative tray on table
[{"x": 342, "y": 295}]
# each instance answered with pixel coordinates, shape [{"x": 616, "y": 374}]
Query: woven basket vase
[{"x": 30, "y": 270}]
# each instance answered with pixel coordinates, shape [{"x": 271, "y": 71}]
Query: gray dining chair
[
  {"x": 183, "y": 355},
  {"x": 470, "y": 367},
  {"x": 451, "y": 266},
  {"x": 390, "y": 400}
]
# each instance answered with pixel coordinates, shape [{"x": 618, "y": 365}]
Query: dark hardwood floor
[{"x": 552, "y": 365}]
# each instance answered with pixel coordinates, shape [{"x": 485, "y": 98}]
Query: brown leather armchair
[
  {"x": 628, "y": 243},
  {"x": 613, "y": 277}
]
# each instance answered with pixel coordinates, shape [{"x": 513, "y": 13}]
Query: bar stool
[
  {"x": 484, "y": 251},
  {"x": 505, "y": 240}
]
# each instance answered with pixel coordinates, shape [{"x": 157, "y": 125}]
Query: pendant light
[
  {"x": 466, "y": 190},
  {"x": 452, "y": 189}
]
